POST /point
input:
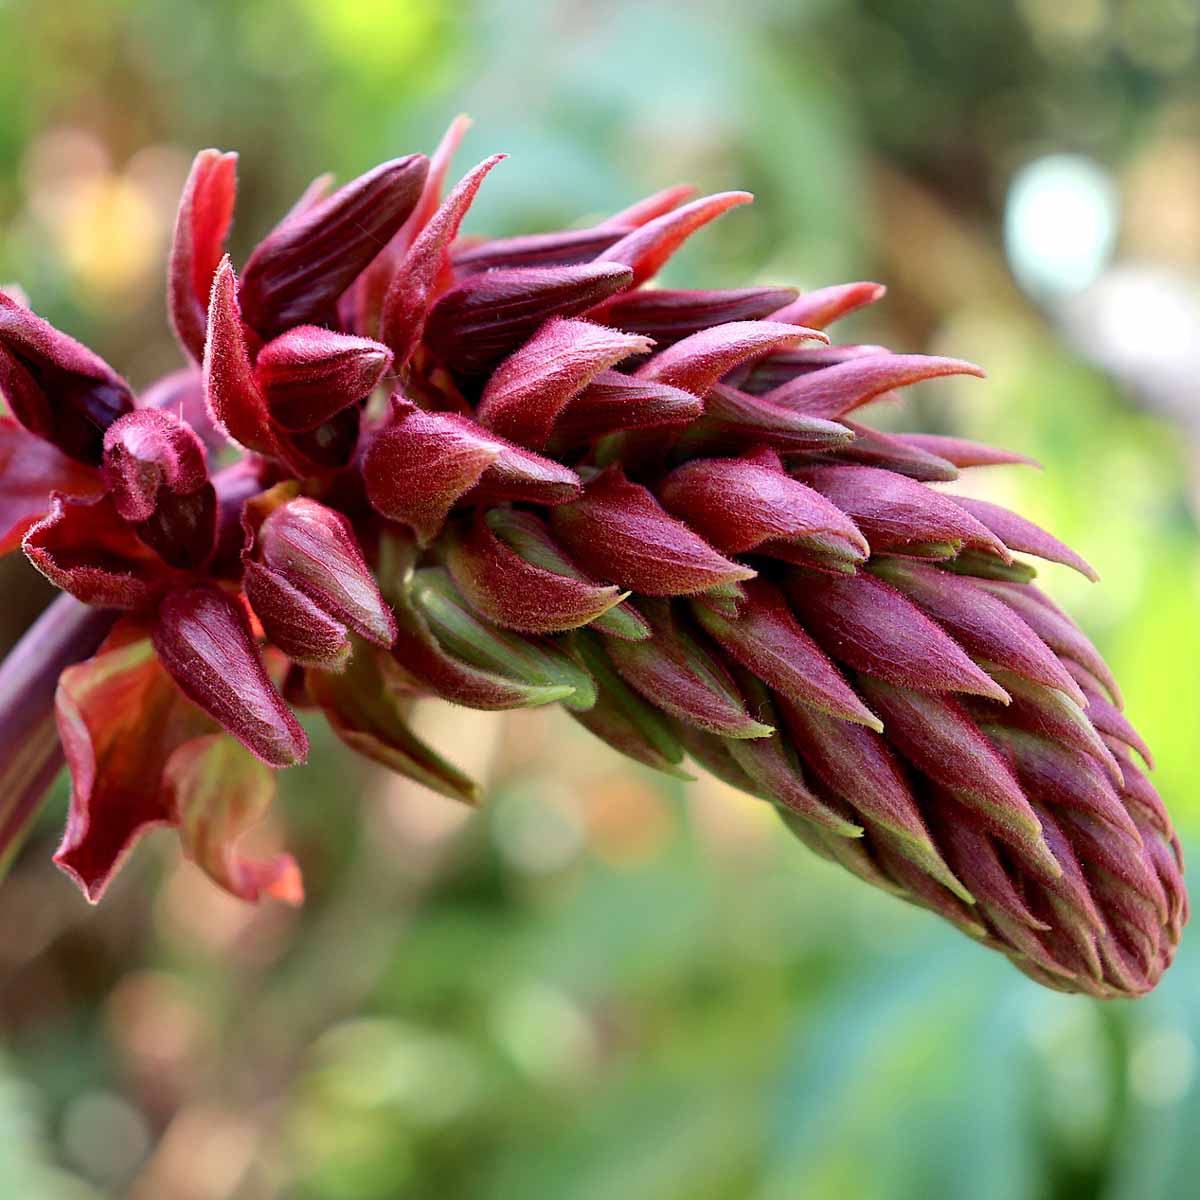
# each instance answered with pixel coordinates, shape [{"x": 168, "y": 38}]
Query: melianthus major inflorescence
[{"x": 507, "y": 473}]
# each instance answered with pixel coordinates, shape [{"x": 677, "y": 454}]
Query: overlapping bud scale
[{"x": 510, "y": 473}]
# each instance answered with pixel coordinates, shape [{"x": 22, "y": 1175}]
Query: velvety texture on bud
[
  {"x": 308, "y": 577},
  {"x": 308, "y": 374},
  {"x": 298, "y": 271},
  {"x": 617, "y": 531},
  {"x": 203, "y": 638},
  {"x": 424, "y": 463},
  {"x": 654, "y": 507}
]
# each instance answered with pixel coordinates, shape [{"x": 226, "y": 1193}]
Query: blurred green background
[{"x": 604, "y": 987}]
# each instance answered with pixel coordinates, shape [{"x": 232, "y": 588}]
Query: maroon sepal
[
  {"x": 83, "y": 547},
  {"x": 614, "y": 402},
  {"x": 823, "y": 306},
  {"x": 1023, "y": 536},
  {"x": 668, "y": 316}
]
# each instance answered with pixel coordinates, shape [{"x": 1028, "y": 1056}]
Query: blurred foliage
[{"x": 603, "y": 986}]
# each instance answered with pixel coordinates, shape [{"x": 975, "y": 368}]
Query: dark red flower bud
[
  {"x": 201, "y": 227},
  {"x": 308, "y": 374},
  {"x": 766, "y": 640},
  {"x": 1024, "y": 536},
  {"x": 734, "y": 419},
  {"x": 962, "y": 453},
  {"x": 308, "y": 580},
  {"x": 614, "y": 402},
  {"x": 298, "y": 271},
  {"x": 617, "y": 531},
  {"x": 744, "y": 504},
  {"x": 516, "y": 593},
  {"x": 203, "y": 638},
  {"x": 698, "y": 361},
  {"x": 668, "y": 316},
  {"x": 870, "y": 448},
  {"x": 868, "y": 625},
  {"x": 899, "y": 515},
  {"x": 672, "y": 670},
  {"x": 55, "y": 387},
  {"x": 530, "y": 388},
  {"x": 488, "y": 316},
  {"x": 418, "y": 468}
]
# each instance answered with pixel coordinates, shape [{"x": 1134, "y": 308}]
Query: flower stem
[{"x": 30, "y": 753}]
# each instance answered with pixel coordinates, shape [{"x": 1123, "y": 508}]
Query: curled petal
[
  {"x": 308, "y": 374},
  {"x": 204, "y": 640},
  {"x": 869, "y": 625},
  {"x": 149, "y": 451},
  {"x": 83, "y": 547},
  {"x": 119, "y": 718},
  {"x": 201, "y": 227},
  {"x": 617, "y": 531},
  {"x": 484, "y": 318},
  {"x": 411, "y": 292},
  {"x": 840, "y": 389},
  {"x": 30, "y": 469},
  {"x": 219, "y": 791},
  {"x": 529, "y": 389},
  {"x": 298, "y": 271},
  {"x": 55, "y": 387}
]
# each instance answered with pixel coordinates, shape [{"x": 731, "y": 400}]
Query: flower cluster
[{"x": 403, "y": 463}]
